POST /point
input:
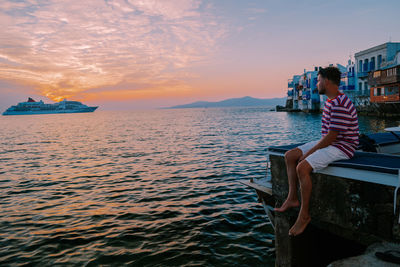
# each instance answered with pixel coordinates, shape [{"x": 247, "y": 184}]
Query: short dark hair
[{"x": 331, "y": 73}]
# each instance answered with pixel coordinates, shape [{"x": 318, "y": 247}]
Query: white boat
[{"x": 31, "y": 107}]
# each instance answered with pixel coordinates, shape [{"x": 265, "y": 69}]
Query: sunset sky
[{"x": 135, "y": 54}]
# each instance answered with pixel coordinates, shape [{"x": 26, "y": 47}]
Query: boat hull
[{"x": 60, "y": 111}]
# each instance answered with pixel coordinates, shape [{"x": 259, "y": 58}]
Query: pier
[
  {"x": 352, "y": 214},
  {"x": 347, "y": 217}
]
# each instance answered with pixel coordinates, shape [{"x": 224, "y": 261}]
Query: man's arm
[{"x": 324, "y": 142}]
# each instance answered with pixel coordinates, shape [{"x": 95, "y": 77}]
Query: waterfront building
[
  {"x": 302, "y": 92},
  {"x": 372, "y": 78},
  {"x": 385, "y": 84},
  {"x": 303, "y": 95},
  {"x": 369, "y": 60}
]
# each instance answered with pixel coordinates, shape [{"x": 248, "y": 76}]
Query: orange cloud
[
  {"x": 164, "y": 89},
  {"x": 65, "y": 49}
]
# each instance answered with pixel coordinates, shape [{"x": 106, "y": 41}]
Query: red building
[{"x": 385, "y": 85}]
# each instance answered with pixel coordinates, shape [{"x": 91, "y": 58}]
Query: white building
[{"x": 372, "y": 59}]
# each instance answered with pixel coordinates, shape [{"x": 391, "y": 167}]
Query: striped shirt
[{"x": 340, "y": 115}]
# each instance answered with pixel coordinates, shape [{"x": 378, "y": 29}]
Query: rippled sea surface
[{"x": 142, "y": 188}]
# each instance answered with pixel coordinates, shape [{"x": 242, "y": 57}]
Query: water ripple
[{"x": 154, "y": 188}]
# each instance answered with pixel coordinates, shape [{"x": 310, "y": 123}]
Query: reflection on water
[{"x": 145, "y": 188}]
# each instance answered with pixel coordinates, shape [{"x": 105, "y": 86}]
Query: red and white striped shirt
[{"x": 340, "y": 115}]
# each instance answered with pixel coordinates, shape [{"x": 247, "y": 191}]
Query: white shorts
[{"x": 322, "y": 157}]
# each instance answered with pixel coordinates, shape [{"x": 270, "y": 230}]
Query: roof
[{"x": 374, "y": 48}]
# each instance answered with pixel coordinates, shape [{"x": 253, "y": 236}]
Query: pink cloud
[{"x": 65, "y": 48}]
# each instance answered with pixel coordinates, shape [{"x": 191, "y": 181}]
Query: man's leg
[
  {"x": 291, "y": 159},
  {"x": 303, "y": 171}
]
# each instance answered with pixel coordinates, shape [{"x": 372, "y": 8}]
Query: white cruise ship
[{"x": 32, "y": 107}]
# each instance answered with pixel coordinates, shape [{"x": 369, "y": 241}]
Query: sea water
[{"x": 142, "y": 188}]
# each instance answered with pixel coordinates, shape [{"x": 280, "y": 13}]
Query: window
[
  {"x": 389, "y": 72},
  {"x": 372, "y": 64},
  {"x": 377, "y": 74},
  {"x": 392, "y": 91},
  {"x": 360, "y": 86},
  {"x": 378, "y": 91},
  {"x": 379, "y": 61},
  {"x": 360, "y": 66}
]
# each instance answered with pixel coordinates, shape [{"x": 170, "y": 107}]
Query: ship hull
[{"x": 36, "y": 112}]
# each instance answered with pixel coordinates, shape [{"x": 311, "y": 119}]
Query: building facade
[
  {"x": 303, "y": 92},
  {"x": 373, "y": 77},
  {"x": 369, "y": 60},
  {"x": 385, "y": 85}
]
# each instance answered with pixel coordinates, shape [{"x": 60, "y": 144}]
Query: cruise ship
[{"x": 33, "y": 107}]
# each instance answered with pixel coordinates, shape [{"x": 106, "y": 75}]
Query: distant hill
[{"x": 246, "y": 101}]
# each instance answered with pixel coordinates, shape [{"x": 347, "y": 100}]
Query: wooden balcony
[
  {"x": 384, "y": 77},
  {"x": 374, "y": 78}
]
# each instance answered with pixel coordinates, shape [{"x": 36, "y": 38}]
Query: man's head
[{"x": 328, "y": 80}]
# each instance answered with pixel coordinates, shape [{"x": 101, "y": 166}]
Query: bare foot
[
  {"x": 287, "y": 205},
  {"x": 299, "y": 226}
]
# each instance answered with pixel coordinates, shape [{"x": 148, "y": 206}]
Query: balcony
[
  {"x": 391, "y": 75},
  {"x": 362, "y": 74},
  {"x": 374, "y": 78},
  {"x": 347, "y": 74},
  {"x": 347, "y": 87}
]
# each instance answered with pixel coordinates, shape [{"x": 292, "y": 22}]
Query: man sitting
[{"x": 339, "y": 141}]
